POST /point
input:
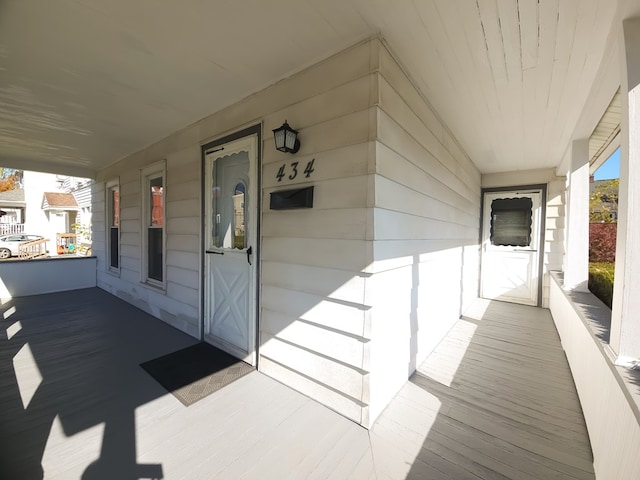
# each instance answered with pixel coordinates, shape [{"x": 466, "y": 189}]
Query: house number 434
[{"x": 292, "y": 171}]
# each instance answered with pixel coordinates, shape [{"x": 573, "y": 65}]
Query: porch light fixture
[{"x": 286, "y": 138}]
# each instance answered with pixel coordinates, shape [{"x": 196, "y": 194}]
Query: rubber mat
[{"x": 195, "y": 372}]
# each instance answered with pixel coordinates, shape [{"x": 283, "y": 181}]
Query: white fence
[
  {"x": 46, "y": 275},
  {"x": 10, "y": 228}
]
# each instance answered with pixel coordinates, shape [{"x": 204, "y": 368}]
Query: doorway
[
  {"x": 231, "y": 246},
  {"x": 512, "y": 229}
]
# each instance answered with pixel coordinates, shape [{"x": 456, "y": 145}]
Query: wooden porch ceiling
[
  {"x": 495, "y": 400},
  {"x": 87, "y": 82}
]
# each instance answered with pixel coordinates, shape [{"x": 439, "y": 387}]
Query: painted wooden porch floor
[{"x": 495, "y": 400}]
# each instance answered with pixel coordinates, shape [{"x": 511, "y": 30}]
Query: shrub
[
  {"x": 602, "y": 242},
  {"x": 601, "y": 281}
]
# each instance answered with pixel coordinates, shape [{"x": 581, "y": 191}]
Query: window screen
[{"x": 511, "y": 220}]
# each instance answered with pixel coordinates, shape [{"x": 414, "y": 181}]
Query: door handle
[
  {"x": 249, "y": 252},
  {"x": 215, "y": 253}
]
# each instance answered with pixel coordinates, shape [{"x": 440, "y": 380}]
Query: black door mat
[{"x": 194, "y": 372}]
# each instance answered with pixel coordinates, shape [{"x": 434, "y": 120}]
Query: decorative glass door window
[
  {"x": 228, "y": 202},
  {"x": 511, "y": 220}
]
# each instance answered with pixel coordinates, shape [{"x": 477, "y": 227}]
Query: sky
[{"x": 609, "y": 169}]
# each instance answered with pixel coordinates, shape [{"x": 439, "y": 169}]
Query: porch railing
[
  {"x": 33, "y": 249},
  {"x": 11, "y": 228}
]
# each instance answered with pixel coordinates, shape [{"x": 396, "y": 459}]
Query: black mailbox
[{"x": 289, "y": 199}]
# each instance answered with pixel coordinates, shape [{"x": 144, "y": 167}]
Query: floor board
[{"x": 495, "y": 400}]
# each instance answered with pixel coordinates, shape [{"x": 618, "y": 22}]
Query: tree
[
  {"x": 10, "y": 179},
  {"x": 603, "y": 203}
]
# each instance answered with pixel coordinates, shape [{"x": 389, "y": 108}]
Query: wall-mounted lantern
[{"x": 286, "y": 138}]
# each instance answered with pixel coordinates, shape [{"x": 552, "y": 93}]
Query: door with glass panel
[
  {"x": 511, "y": 246},
  {"x": 230, "y": 247}
]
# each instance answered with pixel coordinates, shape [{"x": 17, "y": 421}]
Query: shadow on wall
[
  {"x": 86, "y": 388},
  {"x": 317, "y": 322}
]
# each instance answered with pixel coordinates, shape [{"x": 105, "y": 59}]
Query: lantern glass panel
[
  {"x": 291, "y": 140},
  {"x": 278, "y": 136}
]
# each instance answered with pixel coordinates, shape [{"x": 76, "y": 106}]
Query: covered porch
[
  {"x": 495, "y": 399},
  {"x": 410, "y": 115}
]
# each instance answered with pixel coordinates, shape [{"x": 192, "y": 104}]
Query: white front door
[
  {"x": 511, "y": 246},
  {"x": 230, "y": 247}
]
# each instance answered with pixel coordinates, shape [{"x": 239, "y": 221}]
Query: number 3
[{"x": 294, "y": 165}]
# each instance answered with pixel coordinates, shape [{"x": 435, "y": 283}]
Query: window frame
[
  {"x": 110, "y": 187},
  {"x": 147, "y": 175}
]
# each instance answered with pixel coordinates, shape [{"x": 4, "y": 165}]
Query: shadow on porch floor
[{"x": 495, "y": 400}]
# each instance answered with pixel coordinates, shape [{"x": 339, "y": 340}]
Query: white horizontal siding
[
  {"x": 394, "y": 195},
  {"x": 348, "y": 407},
  {"x": 400, "y": 104},
  {"x": 316, "y": 338},
  {"x": 394, "y": 167},
  {"x": 338, "y": 163},
  {"x": 426, "y": 234},
  {"x": 339, "y": 254},
  {"x": 178, "y": 304},
  {"x": 394, "y": 136},
  {"x": 339, "y": 193},
  {"x": 348, "y": 224},
  {"x": 342, "y": 285},
  {"x": 350, "y": 129},
  {"x": 397, "y": 197},
  {"x": 312, "y": 259},
  {"x": 339, "y": 377},
  {"x": 83, "y": 196},
  {"x": 393, "y": 225},
  {"x": 351, "y": 319},
  {"x": 179, "y": 242}
]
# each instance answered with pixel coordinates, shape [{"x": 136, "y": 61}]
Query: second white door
[{"x": 511, "y": 246}]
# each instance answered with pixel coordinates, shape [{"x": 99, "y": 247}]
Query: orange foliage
[{"x": 8, "y": 183}]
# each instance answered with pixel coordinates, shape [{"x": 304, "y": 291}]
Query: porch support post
[
  {"x": 625, "y": 315},
  {"x": 576, "y": 271}
]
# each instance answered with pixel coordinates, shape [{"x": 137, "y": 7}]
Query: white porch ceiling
[{"x": 84, "y": 83}]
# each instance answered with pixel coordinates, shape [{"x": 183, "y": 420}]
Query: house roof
[
  {"x": 12, "y": 198},
  {"x": 59, "y": 201}
]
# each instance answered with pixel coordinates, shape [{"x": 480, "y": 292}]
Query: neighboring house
[
  {"x": 61, "y": 210},
  {"x": 443, "y": 158},
  {"x": 80, "y": 188},
  {"x": 47, "y": 205},
  {"x": 604, "y": 200},
  {"x": 13, "y": 204}
]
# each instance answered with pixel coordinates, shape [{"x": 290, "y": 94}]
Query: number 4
[
  {"x": 309, "y": 168},
  {"x": 280, "y": 174}
]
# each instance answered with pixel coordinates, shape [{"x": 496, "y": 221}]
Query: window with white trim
[
  {"x": 113, "y": 225},
  {"x": 153, "y": 199}
]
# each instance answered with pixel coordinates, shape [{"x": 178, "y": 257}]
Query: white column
[
  {"x": 576, "y": 265},
  {"x": 625, "y": 316}
]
